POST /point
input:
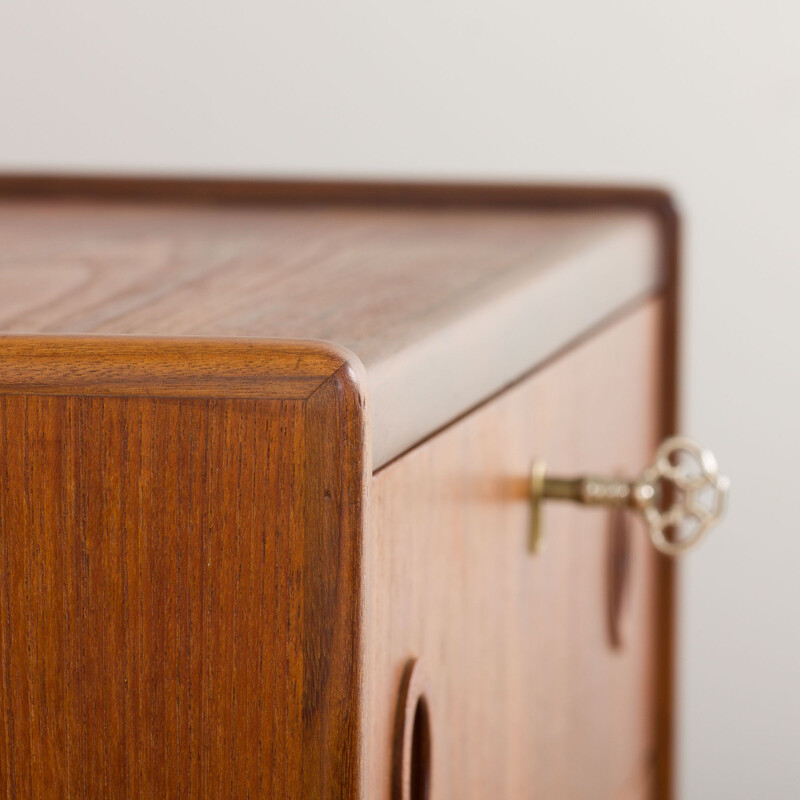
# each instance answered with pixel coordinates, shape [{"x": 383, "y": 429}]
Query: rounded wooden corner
[{"x": 349, "y": 372}]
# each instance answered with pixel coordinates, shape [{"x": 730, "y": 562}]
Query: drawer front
[{"x": 544, "y": 675}]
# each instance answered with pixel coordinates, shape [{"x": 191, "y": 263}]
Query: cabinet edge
[{"x": 152, "y": 366}]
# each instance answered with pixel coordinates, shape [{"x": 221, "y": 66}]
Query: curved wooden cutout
[{"x": 412, "y": 757}]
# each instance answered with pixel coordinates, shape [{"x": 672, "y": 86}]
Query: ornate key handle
[{"x": 698, "y": 493}]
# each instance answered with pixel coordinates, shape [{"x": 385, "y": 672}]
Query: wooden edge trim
[
  {"x": 666, "y": 764},
  {"x": 336, "y": 489},
  {"x": 167, "y": 188},
  {"x": 136, "y": 366}
]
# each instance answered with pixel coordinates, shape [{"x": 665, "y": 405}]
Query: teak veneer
[{"x": 263, "y": 468}]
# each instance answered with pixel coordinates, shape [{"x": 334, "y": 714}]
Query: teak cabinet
[{"x": 264, "y": 467}]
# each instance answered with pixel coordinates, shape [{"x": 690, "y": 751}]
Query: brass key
[{"x": 699, "y": 494}]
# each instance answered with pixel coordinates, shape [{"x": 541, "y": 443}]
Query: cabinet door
[{"x": 543, "y": 676}]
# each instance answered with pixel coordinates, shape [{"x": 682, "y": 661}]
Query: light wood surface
[
  {"x": 529, "y": 695},
  {"x": 464, "y": 296},
  {"x": 642, "y": 785},
  {"x": 179, "y": 572}
]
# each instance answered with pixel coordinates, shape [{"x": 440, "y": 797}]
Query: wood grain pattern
[
  {"x": 143, "y": 366},
  {"x": 279, "y": 271},
  {"x": 454, "y": 274},
  {"x": 529, "y": 696},
  {"x": 180, "y": 582}
]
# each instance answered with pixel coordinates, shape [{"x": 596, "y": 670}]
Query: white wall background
[{"x": 700, "y": 95}]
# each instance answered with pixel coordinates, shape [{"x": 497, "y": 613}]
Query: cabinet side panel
[
  {"x": 156, "y": 604},
  {"x": 538, "y": 683}
]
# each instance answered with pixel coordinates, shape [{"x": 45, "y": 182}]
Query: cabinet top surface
[{"x": 440, "y": 299}]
